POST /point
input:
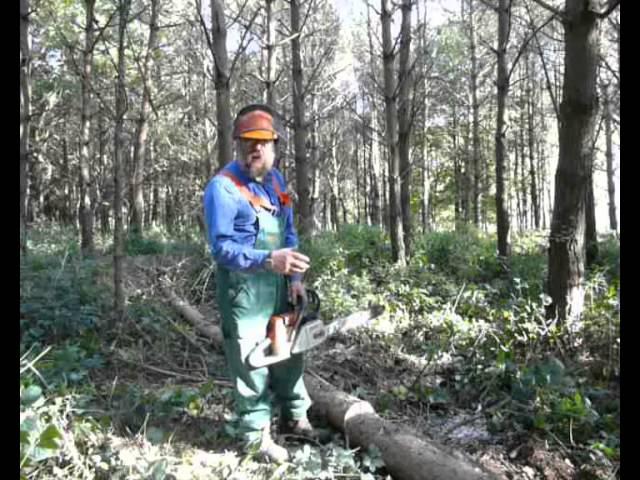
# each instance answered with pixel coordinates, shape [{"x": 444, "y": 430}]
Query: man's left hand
[{"x": 296, "y": 289}]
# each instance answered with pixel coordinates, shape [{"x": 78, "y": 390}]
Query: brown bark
[
  {"x": 300, "y": 127},
  {"x": 118, "y": 174},
  {"x": 502, "y": 214},
  {"x": 406, "y": 455},
  {"x": 142, "y": 130},
  {"x": 25, "y": 117},
  {"x": 395, "y": 203},
  {"x": 221, "y": 80},
  {"x": 577, "y": 113},
  {"x": 404, "y": 124}
]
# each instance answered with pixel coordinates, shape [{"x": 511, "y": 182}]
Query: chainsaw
[{"x": 302, "y": 329}]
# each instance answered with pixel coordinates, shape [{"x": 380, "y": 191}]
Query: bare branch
[
  {"x": 526, "y": 43},
  {"x": 204, "y": 29},
  {"x": 492, "y": 6},
  {"x": 102, "y": 30},
  {"x": 243, "y": 47},
  {"x": 311, "y": 77},
  {"x": 552, "y": 9},
  {"x": 613, "y": 4}
]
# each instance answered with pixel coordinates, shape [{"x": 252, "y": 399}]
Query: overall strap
[
  {"x": 285, "y": 198},
  {"x": 255, "y": 200}
]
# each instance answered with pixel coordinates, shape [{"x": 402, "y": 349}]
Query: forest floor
[{"x": 149, "y": 399}]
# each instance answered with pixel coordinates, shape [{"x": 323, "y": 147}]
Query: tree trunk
[
  {"x": 142, "y": 130},
  {"x": 376, "y": 174},
  {"x": 578, "y": 113},
  {"x": 457, "y": 171},
  {"x": 523, "y": 186},
  {"x": 86, "y": 212},
  {"x": 530, "y": 95},
  {"x": 221, "y": 79},
  {"x": 25, "y": 117},
  {"x": 475, "y": 105},
  {"x": 270, "y": 47},
  {"x": 404, "y": 124},
  {"x": 375, "y": 170},
  {"x": 119, "y": 151},
  {"x": 502, "y": 214},
  {"x": 516, "y": 175},
  {"x": 611, "y": 186},
  {"x": 300, "y": 127},
  {"x": 425, "y": 180},
  {"x": 395, "y": 205}
]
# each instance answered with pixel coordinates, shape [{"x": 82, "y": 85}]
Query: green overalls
[{"x": 247, "y": 300}]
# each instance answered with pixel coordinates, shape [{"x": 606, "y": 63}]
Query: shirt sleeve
[{"x": 220, "y": 210}]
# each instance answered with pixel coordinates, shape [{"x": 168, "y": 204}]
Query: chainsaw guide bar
[{"x": 309, "y": 332}]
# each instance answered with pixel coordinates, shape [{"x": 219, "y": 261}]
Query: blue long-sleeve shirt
[{"x": 231, "y": 220}]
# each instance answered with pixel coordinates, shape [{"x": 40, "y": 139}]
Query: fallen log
[
  {"x": 406, "y": 454},
  {"x": 192, "y": 315}
]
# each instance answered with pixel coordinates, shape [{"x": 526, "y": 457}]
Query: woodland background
[{"x": 455, "y": 160}]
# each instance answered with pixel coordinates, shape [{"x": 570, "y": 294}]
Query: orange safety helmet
[{"x": 255, "y": 121}]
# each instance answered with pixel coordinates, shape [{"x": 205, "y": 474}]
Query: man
[{"x": 252, "y": 239}]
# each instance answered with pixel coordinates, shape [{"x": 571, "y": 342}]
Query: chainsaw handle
[{"x": 260, "y": 357}]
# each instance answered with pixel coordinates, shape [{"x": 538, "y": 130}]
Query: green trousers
[{"x": 247, "y": 300}]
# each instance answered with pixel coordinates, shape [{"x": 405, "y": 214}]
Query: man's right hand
[{"x": 287, "y": 261}]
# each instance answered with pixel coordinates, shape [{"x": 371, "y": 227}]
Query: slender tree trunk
[
  {"x": 315, "y": 159},
  {"x": 222, "y": 80},
  {"x": 395, "y": 205},
  {"x": 530, "y": 96},
  {"x": 591, "y": 231},
  {"x": 86, "y": 212},
  {"x": 142, "y": 130},
  {"x": 270, "y": 47},
  {"x": 300, "y": 127},
  {"x": 376, "y": 170},
  {"x": 119, "y": 152},
  {"x": 375, "y": 144},
  {"x": 404, "y": 124},
  {"x": 502, "y": 214},
  {"x": 523, "y": 186},
  {"x": 578, "y": 117},
  {"x": 25, "y": 118},
  {"x": 475, "y": 105},
  {"x": 516, "y": 188},
  {"x": 611, "y": 186},
  {"x": 457, "y": 171}
]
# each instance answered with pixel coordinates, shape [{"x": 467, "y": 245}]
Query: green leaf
[
  {"x": 31, "y": 394},
  {"x": 159, "y": 470},
  {"x": 48, "y": 438}
]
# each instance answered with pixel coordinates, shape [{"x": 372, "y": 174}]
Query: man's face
[{"x": 257, "y": 157}]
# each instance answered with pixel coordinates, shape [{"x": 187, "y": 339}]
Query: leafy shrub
[
  {"x": 465, "y": 255},
  {"x": 59, "y": 298}
]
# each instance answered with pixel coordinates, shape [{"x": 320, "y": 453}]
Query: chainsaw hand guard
[{"x": 261, "y": 355}]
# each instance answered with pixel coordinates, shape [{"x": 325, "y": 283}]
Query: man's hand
[
  {"x": 296, "y": 289},
  {"x": 286, "y": 261}
]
